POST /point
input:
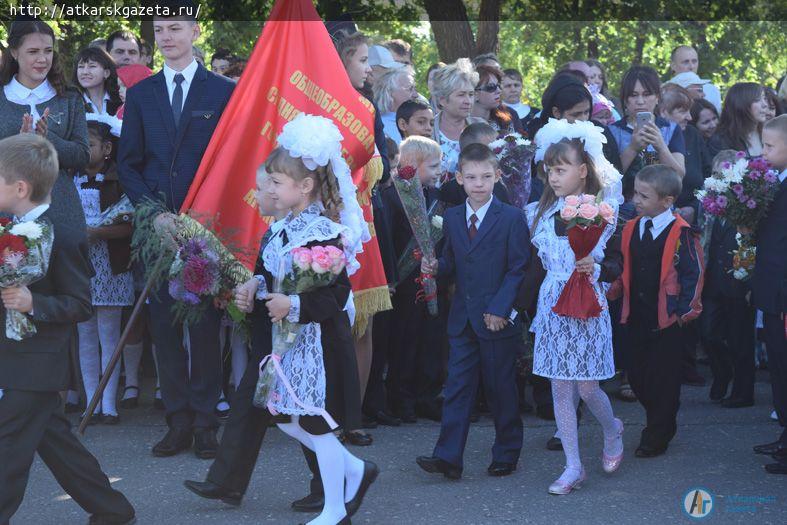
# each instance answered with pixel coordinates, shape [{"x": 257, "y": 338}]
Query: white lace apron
[{"x": 302, "y": 365}]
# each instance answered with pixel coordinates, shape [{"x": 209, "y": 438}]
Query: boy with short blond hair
[{"x": 34, "y": 370}]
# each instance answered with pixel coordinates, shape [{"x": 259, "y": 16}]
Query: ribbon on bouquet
[{"x": 276, "y": 360}]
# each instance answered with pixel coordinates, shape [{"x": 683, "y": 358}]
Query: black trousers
[
  {"x": 190, "y": 382},
  {"x": 415, "y": 362},
  {"x": 728, "y": 336},
  {"x": 655, "y": 375},
  {"x": 776, "y": 345},
  {"x": 243, "y": 434},
  {"x": 375, "y": 399},
  {"x": 33, "y": 422}
]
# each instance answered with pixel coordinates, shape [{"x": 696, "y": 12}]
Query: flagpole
[{"x": 91, "y": 407}]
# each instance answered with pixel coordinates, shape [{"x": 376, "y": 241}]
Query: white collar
[
  {"x": 662, "y": 219},
  {"x": 480, "y": 213},
  {"x": 35, "y": 213},
  {"x": 783, "y": 175},
  {"x": 19, "y": 93},
  {"x": 188, "y": 72}
]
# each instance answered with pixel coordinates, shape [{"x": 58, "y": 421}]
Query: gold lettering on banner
[
  {"x": 330, "y": 105},
  {"x": 250, "y": 199}
]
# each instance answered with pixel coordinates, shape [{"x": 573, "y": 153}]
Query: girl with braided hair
[{"x": 317, "y": 388}]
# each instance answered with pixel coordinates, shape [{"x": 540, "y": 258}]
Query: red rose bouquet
[
  {"x": 411, "y": 193},
  {"x": 586, "y": 218}
]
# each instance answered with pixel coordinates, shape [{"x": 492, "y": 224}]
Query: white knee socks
[
  {"x": 98, "y": 338},
  {"x": 132, "y": 355}
]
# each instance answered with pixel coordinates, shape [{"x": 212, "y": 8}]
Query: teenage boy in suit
[
  {"x": 168, "y": 122},
  {"x": 36, "y": 369},
  {"x": 486, "y": 250}
]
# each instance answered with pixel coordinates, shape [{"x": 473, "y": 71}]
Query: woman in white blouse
[
  {"x": 34, "y": 99},
  {"x": 95, "y": 76}
]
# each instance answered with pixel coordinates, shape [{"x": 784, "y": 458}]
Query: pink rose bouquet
[{"x": 586, "y": 217}]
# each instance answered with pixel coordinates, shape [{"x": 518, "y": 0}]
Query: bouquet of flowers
[
  {"x": 515, "y": 154},
  {"x": 741, "y": 193},
  {"x": 196, "y": 265},
  {"x": 586, "y": 217},
  {"x": 25, "y": 248},
  {"x": 411, "y": 256},
  {"x": 310, "y": 268},
  {"x": 411, "y": 193}
]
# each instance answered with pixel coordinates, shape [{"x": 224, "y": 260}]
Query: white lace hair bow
[
  {"x": 593, "y": 139},
  {"x": 114, "y": 123},
  {"x": 317, "y": 141}
]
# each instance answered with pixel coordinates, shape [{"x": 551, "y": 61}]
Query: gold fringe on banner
[
  {"x": 372, "y": 172},
  {"x": 367, "y": 303}
]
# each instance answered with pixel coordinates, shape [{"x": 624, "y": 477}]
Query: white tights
[
  {"x": 341, "y": 472},
  {"x": 565, "y": 402},
  {"x": 98, "y": 338}
]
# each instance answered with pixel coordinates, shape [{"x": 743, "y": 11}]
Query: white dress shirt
[
  {"x": 35, "y": 213},
  {"x": 17, "y": 93},
  {"x": 92, "y": 105},
  {"x": 188, "y": 74},
  {"x": 660, "y": 223},
  {"x": 782, "y": 176},
  {"x": 480, "y": 213}
]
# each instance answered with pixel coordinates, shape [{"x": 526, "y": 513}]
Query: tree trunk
[
  {"x": 642, "y": 30},
  {"x": 488, "y": 27},
  {"x": 146, "y": 33},
  {"x": 451, "y": 29}
]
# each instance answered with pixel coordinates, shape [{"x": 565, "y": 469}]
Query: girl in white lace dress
[
  {"x": 573, "y": 353},
  {"x": 317, "y": 390},
  {"x": 112, "y": 286}
]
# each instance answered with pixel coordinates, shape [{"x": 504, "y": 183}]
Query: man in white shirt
[{"x": 685, "y": 58}]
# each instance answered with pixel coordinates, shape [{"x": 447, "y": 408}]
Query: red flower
[
  {"x": 11, "y": 243},
  {"x": 406, "y": 172},
  {"x": 197, "y": 276},
  {"x": 417, "y": 255},
  {"x": 4, "y": 221}
]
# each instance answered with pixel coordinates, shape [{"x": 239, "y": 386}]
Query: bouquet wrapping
[
  {"x": 411, "y": 256},
  {"x": 25, "y": 248},
  {"x": 741, "y": 193},
  {"x": 304, "y": 270},
  {"x": 411, "y": 193},
  {"x": 194, "y": 263},
  {"x": 586, "y": 219},
  {"x": 515, "y": 155},
  {"x": 120, "y": 212}
]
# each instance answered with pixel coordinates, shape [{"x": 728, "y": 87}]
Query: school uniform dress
[
  {"x": 320, "y": 366},
  {"x": 568, "y": 348}
]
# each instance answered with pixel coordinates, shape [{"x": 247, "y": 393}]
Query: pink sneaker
[
  {"x": 612, "y": 463},
  {"x": 561, "y": 487}
]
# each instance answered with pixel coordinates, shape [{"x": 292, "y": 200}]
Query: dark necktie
[
  {"x": 177, "y": 98},
  {"x": 473, "y": 230},
  {"x": 647, "y": 235}
]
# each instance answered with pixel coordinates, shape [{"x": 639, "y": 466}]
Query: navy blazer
[
  {"x": 488, "y": 270},
  {"x": 769, "y": 282},
  {"x": 156, "y": 159}
]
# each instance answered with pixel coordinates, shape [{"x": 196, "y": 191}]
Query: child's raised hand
[
  {"x": 278, "y": 306},
  {"x": 17, "y": 298},
  {"x": 585, "y": 265},
  {"x": 244, "y": 295}
]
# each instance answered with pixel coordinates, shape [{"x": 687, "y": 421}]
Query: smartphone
[{"x": 643, "y": 117}]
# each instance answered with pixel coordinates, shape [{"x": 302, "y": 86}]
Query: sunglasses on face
[{"x": 489, "y": 88}]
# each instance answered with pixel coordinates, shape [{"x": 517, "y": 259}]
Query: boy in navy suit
[
  {"x": 34, "y": 370},
  {"x": 486, "y": 250},
  {"x": 769, "y": 285},
  {"x": 168, "y": 122}
]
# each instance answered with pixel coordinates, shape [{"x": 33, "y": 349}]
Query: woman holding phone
[{"x": 642, "y": 137}]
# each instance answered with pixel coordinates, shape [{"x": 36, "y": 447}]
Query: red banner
[{"x": 294, "y": 68}]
